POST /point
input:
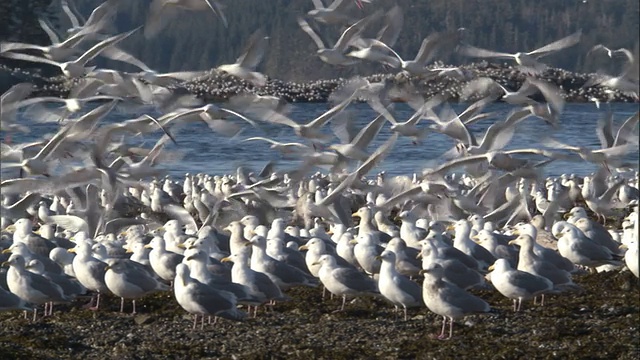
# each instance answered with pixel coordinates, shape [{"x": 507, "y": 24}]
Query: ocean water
[{"x": 199, "y": 149}]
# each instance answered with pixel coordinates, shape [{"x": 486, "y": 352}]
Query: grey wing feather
[
  {"x": 463, "y": 300},
  {"x": 353, "y": 279}
]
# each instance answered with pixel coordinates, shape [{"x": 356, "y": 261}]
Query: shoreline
[{"x": 216, "y": 87}]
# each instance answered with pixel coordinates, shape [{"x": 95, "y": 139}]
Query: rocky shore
[
  {"x": 601, "y": 323},
  {"x": 215, "y": 87}
]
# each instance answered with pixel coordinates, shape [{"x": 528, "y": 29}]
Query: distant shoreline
[{"x": 216, "y": 87}]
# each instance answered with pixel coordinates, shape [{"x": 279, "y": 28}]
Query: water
[{"x": 205, "y": 151}]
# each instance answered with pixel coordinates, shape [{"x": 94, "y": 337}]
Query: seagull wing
[
  {"x": 563, "y": 43},
  {"x": 304, "y": 25}
]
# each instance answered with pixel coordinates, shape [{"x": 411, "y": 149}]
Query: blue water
[{"x": 206, "y": 151}]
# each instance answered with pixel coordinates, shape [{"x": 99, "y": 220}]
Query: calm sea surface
[{"x": 205, "y": 151}]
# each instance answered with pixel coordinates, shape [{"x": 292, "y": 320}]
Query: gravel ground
[{"x": 601, "y": 323}]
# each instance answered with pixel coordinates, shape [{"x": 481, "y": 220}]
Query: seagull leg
[
  {"x": 121, "y": 304},
  {"x": 519, "y": 304},
  {"x": 542, "y": 300},
  {"x": 324, "y": 291},
  {"x": 444, "y": 326},
  {"x": 195, "y": 321},
  {"x": 46, "y": 304},
  {"x": 35, "y": 314},
  {"x": 202, "y": 323},
  {"x": 405, "y": 313},
  {"x": 97, "y": 302},
  {"x": 134, "y": 306},
  {"x": 344, "y": 300},
  {"x": 514, "y": 305},
  {"x": 450, "y": 328},
  {"x": 51, "y": 308}
]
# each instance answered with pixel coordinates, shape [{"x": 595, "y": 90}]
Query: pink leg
[
  {"x": 97, "y": 303},
  {"x": 450, "y": 329},
  {"x": 444, "y": 326},
  {"x": 195, "y": 321}
]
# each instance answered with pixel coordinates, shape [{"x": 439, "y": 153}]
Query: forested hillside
[{"x": 196, "y": 41}]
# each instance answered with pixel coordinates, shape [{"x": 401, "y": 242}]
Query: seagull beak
[
  {"x": 129, "y": 251},
  {"x": 516, "y": 232},
  {"x": 190, "y": 258},
  {"x": 451, "y": 227},
  {"x": 316, "y": 263},
  {"x": 355, "y": 214},
  {"x": 491, "y": 268},
  {"x": 11, "y": 227},
  {"x": 6, "y": 251},
  {"x": 512, "y": 242},
  {"x": 566, "y": 216},
  {"x": 226, "y": 259},
  {"x": 623, "y": 247},
  {"x": 148, "y": 246},
  {"x": 72, "y": 250},
  {"x": 5, "y": 264},
  {"x": 330, "y": 232},
  {"x": 248, "y": 243},
  {"x": 378, "y": 257},
  {"x": 422, "y": 271},
  {"x": 182, "y": 246},
  {"x": 303, "y": 247},
  {"x": 475, "y": 238},
  {"x": 354, "y": 241},
  {"x": 227, "y": 229},
  {"x": 107, "y": 268}
]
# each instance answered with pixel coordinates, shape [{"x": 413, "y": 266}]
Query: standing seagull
[
  {"x": 447, "y": 299},
  {"x": 527, "y": 60},
  {"x": 395, "y": 287}
]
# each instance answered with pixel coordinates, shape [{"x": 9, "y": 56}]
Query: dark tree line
[{"x": 197, "y": 41}]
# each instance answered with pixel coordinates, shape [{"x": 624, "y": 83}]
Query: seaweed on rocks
[{"x": 601, "y": 323}]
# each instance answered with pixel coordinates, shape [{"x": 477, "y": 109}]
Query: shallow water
[{"x": 206, "y": 151}]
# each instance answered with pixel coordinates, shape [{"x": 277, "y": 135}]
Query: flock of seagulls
[{"x": 88, "y": 212}]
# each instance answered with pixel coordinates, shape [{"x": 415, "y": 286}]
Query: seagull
[
  {"x": 397, "y": 288},
  {"x": 447, "y": 299},
  {"x": 336, "y": 54},
  {"x": 245, "y": 66},
  {"x": 527, "y": 60},
  {"x": 74, "y": 68}
]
